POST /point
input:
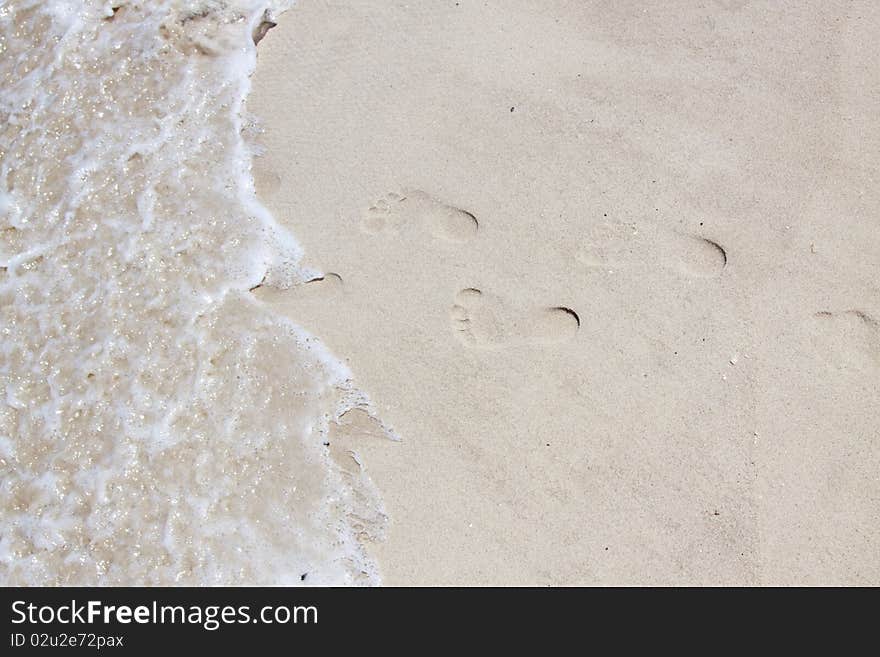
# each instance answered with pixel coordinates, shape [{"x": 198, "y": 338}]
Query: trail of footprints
[
  {"x": 484, "y": 320},
  {"x": 480, "y": 319}
]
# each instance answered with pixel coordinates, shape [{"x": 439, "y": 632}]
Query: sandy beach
[
  {"x": 611, "y": 272},
  {"x": 439, "y": 293}
]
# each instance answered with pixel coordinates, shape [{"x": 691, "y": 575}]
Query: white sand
[{"x": 696, "y": 182}]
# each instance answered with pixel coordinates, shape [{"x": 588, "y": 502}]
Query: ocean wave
[{"x": 158, "y": 425}]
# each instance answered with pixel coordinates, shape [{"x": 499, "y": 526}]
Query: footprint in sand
[
  {"x": 319, "y": 289},
  {"x": 848, "y": 340},
  {"x": 622, "y": 245},
  {"x": 485, "y": 320},
  {"x": 413, "y": 207}
]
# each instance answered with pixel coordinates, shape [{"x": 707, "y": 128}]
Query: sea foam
[{"x": 157, "y": 424}]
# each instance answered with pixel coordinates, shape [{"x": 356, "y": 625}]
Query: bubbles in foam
[{"x": 157, "y": 425}]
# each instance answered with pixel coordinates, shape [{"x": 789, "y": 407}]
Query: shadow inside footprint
[
  {"x": 488, "y": 321},
  {"x": 700, "y": 257},
  {"x": 394, "y": 212}
]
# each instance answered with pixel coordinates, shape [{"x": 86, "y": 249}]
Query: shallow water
[{"x": 158, "y": 425}]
